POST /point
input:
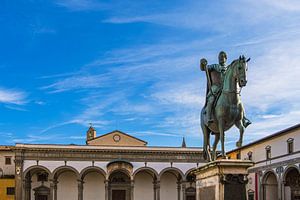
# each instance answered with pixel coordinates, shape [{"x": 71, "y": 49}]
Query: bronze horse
[{"x": 228, "y": 110}]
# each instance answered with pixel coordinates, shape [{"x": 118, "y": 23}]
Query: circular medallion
[{"x": 117, "y": 138}]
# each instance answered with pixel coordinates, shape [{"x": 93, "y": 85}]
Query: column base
[{"x": 222, "y": 180}]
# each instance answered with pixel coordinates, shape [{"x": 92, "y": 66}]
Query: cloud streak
[{"x": 12, "y": 96}]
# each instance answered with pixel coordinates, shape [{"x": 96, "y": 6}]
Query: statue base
[{"x": 222, "y": 180}]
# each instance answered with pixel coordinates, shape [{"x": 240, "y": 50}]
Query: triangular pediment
[{"x": 116, "y": 138}]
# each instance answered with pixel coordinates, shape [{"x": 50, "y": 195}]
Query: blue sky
[{"x": 134, "y": 66}]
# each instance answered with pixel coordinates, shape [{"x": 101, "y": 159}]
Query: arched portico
[
  {"x": 270, "y": 186},
  {"x": 36, "y": 184},
  {"x": 171, "y": 179},
  {"x": 93, "y": 179},
  {"x": 120, "y": 186},
  {"x": 189, "y": 186},
  {"x": 67, "y": 183},
  {"x": 145, "y": 181},
  {"x": 291, "y": 182}
]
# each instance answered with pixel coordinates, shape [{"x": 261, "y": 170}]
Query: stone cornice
[{"x": 100, "y": 154}]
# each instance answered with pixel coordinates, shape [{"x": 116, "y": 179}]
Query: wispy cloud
[
  {"x": 81, "y": 5},
  {"x": 12, "y": 96},
  {"x": 162, "y": 82}
]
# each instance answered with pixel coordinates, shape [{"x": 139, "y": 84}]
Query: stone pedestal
[{"x": 222, "y": 180}]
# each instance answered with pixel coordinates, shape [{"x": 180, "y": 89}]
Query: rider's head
[{"x": 222, "y": 58}]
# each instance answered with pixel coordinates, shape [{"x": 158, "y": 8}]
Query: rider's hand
[{"x": 203, "y": 63}]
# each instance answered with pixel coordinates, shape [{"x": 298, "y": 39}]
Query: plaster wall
[
  {"x": 7, "y": 169},
  {"x": 278, "y": 146},
  {"x": 94, "y": 187},
  {"x": 4, "y": 184},
  {"x": 143, "y": 186},
  {"x": 109, "y": 140},
  {"x": 67, "y": 187},
  {"x": 168, "y": 186}
]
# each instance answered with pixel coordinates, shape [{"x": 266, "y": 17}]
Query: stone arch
[
  {"x": 288, "y": 169},
  {"x": 267, "y": 173},
  {"x": 32, "y": 184},
  {"x": 291, "y": 178},
  {"x": 59, "y": 170},
  {"x": 119, "y": 184},
  {"x": 36, "y": 168},
  {"x": 188, "y": 172},
  {"x": 172, "y": 170},
  {"x": 170, "y": 182},
  {"x": 93, "y": 179},
  {"x": 66, "y": 179},
  {"x": 154, "y": 172},
  {"x": 270, "y": 185},
  {"x": 87, "y": 170},
  {"x": 145, "y": 180}
]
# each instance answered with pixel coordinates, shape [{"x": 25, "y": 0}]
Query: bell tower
[{"x": 90, "y": 134}]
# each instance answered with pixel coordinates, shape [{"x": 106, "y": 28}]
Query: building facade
[
  {"x": 7, "y": 173},
  {"x": 114, "y": 166},
  {"x": 275, "y": 174}
]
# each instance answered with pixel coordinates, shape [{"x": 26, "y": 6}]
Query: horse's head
[{"x": 240, "y": 70}]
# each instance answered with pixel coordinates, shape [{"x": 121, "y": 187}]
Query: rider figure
[{"x": 216, "y": 73}]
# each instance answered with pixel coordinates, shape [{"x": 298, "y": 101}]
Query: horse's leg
[
  {"x": 222, "y": 137},
  {"x": 206, "y": 142},
  {"x": 239, "y": 125},
  {"x": 217, "y": 139}
]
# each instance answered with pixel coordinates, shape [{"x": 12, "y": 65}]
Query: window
[
  {"x": 10, "y": 191},
  {"x": 238, "y": 155},
  {"x": 268, "y": 152},
  {"x": 250, "y": 195},
  {"x": 8, "y": 160},
  {"x": 290, "y": 145},
  {"x": 42, "y": 177},
  {"x": 249, "y": 155}
]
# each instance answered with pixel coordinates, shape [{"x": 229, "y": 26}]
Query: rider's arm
[{"x": 212, "y": 67}]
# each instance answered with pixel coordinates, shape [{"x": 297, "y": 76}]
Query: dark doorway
[
  {"x": 190, "y": 193},
  {"x": 118, "y": 194},
  {"x": 190, "y": 198},
  {"x": 41, "y": 197}
]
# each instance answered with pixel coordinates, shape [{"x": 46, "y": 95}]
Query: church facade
[{"x": 114, "y": 166}]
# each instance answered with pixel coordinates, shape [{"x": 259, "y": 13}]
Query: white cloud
[
  {"x": 81, "y": 5},
  {"x": 11, "y": 96},
  {"x": 172, "y": 84}
]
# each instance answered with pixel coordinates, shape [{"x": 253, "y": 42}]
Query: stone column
[
  {"x": 183, "y": 191},
  {"x": 18, "y": 174},
  {"x": 178, "y": 189},
  {"x": 51, "y": 189},
  {"x": 132, "y": 190},
  {"x": 54, "y": 188},
  {"x": 157, "y": 190},
  {"x": 106, "y": 189},
  {"x": 154, "y": 190},
  {"x": 27, "y": 187},
  {"x": 80, "y": 189}
]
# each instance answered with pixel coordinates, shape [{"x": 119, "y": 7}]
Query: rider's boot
[{"x": 246, "y": 122}]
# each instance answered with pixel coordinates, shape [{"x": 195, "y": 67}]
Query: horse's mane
[{"x": 234, "y": 61}]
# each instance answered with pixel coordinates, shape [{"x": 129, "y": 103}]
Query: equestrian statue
[{"x": 223, "y": 107}]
